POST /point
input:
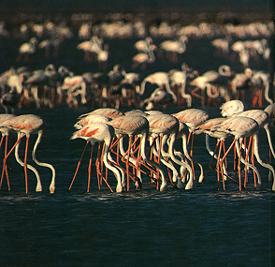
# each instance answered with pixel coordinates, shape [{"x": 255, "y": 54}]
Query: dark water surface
[{"x": 203, "y": 227}]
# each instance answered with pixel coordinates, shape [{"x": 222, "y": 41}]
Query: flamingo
[
  {"x": 132, "y": 125},
  {"x": 191, "y": 118},
  {"x": 261, "y": 79},
  {"x": 159, "y": 78},
  {"x": 159, "y": 98},
  {"x": 239, "y": 127},
  {"x": 263, "y": 120},
  {"x": 25, "y": 125},
  {"x": 231, "y": 108},
  {"x": 5, "y": 135},
  {"x": 208, "y": 127},
  {"x": 165, "y": 127},
  {"x": 27, "y": 49},
  {"x": 178, "y": 80},
  {"x": 97, "y": 133},
  {"x": 110, "y": 113},
  {"x": 236, "y": 108}
]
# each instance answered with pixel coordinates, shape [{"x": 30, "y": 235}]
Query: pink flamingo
[
  {"x": 97, "y": 133},
  {"x": 25, "y": 125}
]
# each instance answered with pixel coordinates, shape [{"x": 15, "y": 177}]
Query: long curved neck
[
  {"x": 21, "y": 163},
  {"x": 168, "y": 89},
  {"x": 43, "y": 164},
  {"x": 167, "y": 162},
  {"x": 269, "y": 140},
  {"x": 163, "y": 152},
  {"x": 266, "y": 91},
  {"x": 142, "y": 146},
  {"x": 209, "y": 150},
  {"x": 184, "y": 147},
  {"x": 121, "y": 147},
  {"x": 247, "y": 164},
  {"x": 182, "y": 163},
  {"x": 110, "y": 167},
  {"x": 265, "y": 165}
]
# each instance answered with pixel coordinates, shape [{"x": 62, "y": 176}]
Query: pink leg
[
  {"x": 224, "y": 150},
  {"x": 127, "y": 163},
  {"x": 78, "y": 165},
  {"x": 98, "y": 166},
  {"x": 25, "y": 164},
  {"x": 253, "y": 163},
  {"x": 5, "y": 160},
  {"x": 218, "y": 164},
  {"x": 246, "y": 159},
  {"x": 90, "y": 170},
  {"x": 239, "y": 174},
  {"x": 235, "y": 159},
  {"x": 228, "y": 150},
  {"x": 6, "y": 167},
  {"x": 2, "y": 138},
  {"x": 191, "y": 155}
]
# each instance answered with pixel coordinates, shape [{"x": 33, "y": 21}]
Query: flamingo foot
[
  {"x": 163, "y": 187},
  {"x": 38, "y": 188},
  {"x": 52, "y": 189}
]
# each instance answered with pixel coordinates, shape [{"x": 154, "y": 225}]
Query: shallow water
[{"x": 203, "y": 227}]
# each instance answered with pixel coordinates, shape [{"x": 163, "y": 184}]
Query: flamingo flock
[
  {"x": 152, "y": 147},
  {"x": 151, "y": 152},
  {"x": 147, "y": 68},
  {"x": 83, "y": 64}
]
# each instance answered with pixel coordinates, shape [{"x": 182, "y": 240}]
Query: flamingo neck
[
  {"x": 266, "y": 92},
  {"x": 265, "y": 165},
  {"x": 21, "y": 163},
  {"x": 269, "y": 140},
  {"x": 110, "y": 167},
  {"x": 207, "y": 143},
  {"x": 43, "y": 164}
]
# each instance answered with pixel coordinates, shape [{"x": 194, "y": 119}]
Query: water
[{"x": 203, "y": 227}]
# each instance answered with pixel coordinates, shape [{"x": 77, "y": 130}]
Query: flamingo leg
[
  {"x": 191, "y": 155},
  {"x": 97, "y": 163},
  {"x": 3, "y": 167},
  {"x": 101, "y": 162},
  {"x": 90, "y": 169},
  {"x": 218, "y": 164},
  {"x": 235, "y": 159},
  {"x": 137, "y": 184},
  {"x": 78, "y": 166},
  {"x": 5, "y": 159},
  {"x": 2, "y": 139},
  {"x": 253, "y": 163},
  {"x": 228, "y": 150},
  {"x": 127, "y": 163},
  {"x": 221, "y": 167},
  {"x": 25, "y": 164},
  {"x": 239, "y": 164},
  {"x": 224, "y": 150},
  {"x": 6, "y": 167},
  {"x": 117, "y": 152},
  {"x": 158, "y": 160},
  {"x": 245, "y": 169},
  {"x": 246, "y": 159}
]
